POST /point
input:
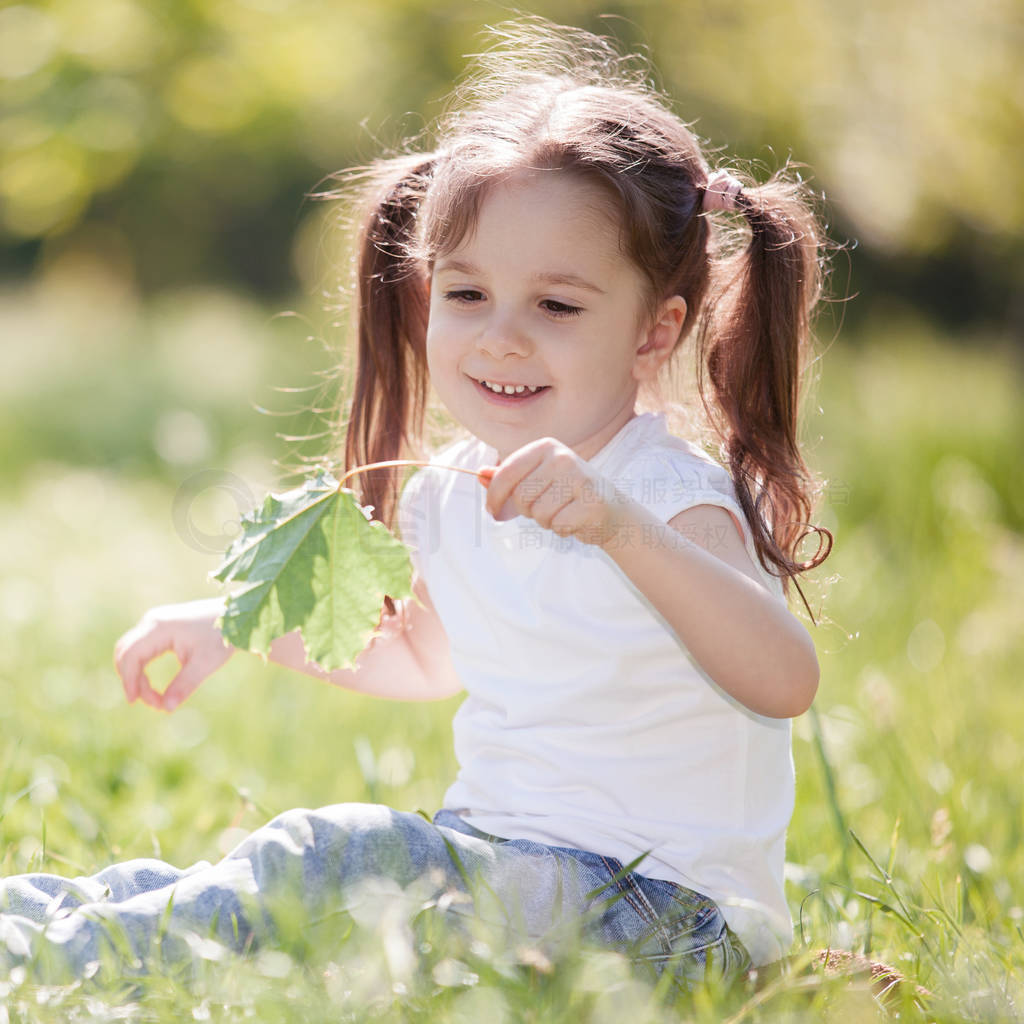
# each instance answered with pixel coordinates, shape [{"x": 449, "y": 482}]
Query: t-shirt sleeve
[{"x": 670, "y": 483}]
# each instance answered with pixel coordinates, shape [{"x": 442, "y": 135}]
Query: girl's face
[{"x": 538, "y": 303}]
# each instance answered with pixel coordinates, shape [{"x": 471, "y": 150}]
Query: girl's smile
[
  {"x": 515, "y": 394},
  {"x": 537, "y": 321}
]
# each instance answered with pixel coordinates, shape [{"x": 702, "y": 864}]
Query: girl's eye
[
  {"x": 471, "y": 296},
  {"x": 467, "y": 295},
  {"x": 557, "y": 308}
]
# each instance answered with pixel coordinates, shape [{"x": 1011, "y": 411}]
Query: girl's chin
[{"x": 506, "y": 446}]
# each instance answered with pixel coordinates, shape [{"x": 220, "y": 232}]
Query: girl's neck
[{"x": 589, "y": 447}]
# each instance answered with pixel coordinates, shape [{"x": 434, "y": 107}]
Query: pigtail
[
  {"x": 390, "y": 388},
  {"x": 753, "y": 344}
]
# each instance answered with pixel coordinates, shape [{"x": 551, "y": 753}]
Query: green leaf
[{"x": 313, "y": 561}]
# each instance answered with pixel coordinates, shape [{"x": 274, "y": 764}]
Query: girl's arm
[
  {"x": 743, "y": 637},
  {"x": 408, "y": 659},
  {"x": 746, "y": 640}
]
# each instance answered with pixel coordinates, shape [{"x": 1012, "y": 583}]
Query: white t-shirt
[{"x": 587, "y": 723}]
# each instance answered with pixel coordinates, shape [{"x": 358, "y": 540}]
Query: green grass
[{"x": 906, "y": 840}]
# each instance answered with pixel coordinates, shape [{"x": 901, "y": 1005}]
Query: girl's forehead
[
  {"x": 536, "y": 187},
  {"x": 543, "y": 208}
]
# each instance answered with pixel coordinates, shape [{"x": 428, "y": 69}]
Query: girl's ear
[{"x": 659, "y": 339}]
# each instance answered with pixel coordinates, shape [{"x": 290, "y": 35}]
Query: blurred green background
[
  {"x": 175, "y": 141},
  {"x": 167, "y": 340}
]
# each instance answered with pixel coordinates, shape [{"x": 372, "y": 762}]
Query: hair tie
[{"x": 722, "y": 192}]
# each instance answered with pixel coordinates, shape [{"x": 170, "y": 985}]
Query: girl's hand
[
  {"x": 548, "y": 482},
  {"x": 186, "y": 629}
]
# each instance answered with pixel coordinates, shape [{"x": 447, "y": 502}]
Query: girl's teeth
[{"x": 510, "y": 389}]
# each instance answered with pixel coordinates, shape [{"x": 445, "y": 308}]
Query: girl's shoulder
[
  {"x": 686, "y": 458},
  {"x": 672, "y": 474},
  {"x": 650, "y": 451}
]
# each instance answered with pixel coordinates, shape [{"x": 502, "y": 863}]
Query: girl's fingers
[
  {"x": 508, "y": 476},
  {"x": 549, "y": 501},
  {"x": 183, "y": 685},
  {"x": 190, "y": 632},
  {"x": 121, "y": 668},
  {"x": 130, "y": 659},
  {"x": 195, "y": 669},
  {"x": 126, "y": 673},
  {"x": 499, "y": 495},
  {"x": 571, "y": 521},
  {"x": 507, "y": 511},
  {"x": 134, "y": 651},
  {"x": 148, "y": 695},
  {"x": 549, "y": 483}
]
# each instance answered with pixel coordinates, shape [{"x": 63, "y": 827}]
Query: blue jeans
[{"x": 144, "y": 908}]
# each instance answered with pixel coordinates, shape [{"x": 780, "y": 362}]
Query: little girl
[{"x": 613, "y": 602}]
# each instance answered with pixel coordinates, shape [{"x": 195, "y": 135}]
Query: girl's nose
[{"x": 502, "y": 337}]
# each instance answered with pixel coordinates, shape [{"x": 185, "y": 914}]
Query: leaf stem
[{"x": 400, "y": 462}]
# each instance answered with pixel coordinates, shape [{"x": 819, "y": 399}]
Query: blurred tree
[{"x": 193, "y": 129}]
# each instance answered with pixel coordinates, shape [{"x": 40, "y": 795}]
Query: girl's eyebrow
[{"x": 547, "y": 277}]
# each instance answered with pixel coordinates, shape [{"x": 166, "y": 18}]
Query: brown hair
[{"x": 553, "y": 98}]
